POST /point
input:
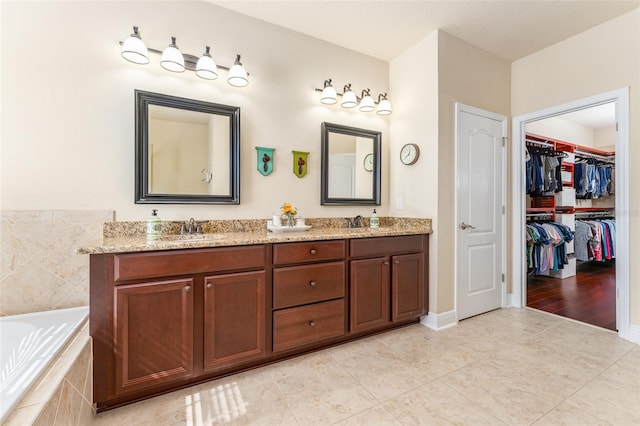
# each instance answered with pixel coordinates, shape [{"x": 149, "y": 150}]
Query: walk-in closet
[{"x": 570, "y": 226}]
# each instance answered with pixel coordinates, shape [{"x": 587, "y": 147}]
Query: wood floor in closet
[{"x": 587, "y": 297}]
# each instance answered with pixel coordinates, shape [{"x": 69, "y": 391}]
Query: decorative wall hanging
[
  {"x": 300, "y": 163},
  {"x": 265, "y": 160}
]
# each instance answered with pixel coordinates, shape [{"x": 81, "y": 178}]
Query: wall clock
[
  {"x": 368, "y": 162},
  {"x": 409, "y": 154}
]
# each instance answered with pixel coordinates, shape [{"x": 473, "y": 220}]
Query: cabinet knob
[
  {"x": 312, "y": 283},
  {"x": 312, "y": 323},
  {"x": 313, "y": 251},
  {"x": 386, "y": 262},
  {"x": 187, "y": 288},
  {"x": 209, "y": 285},
  {"x": 395, "y": 262}
]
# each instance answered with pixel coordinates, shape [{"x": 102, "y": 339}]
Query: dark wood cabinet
[
  {"x": 388, "y": 288},
  {"x": 167, "y": 319},
  {"x": 369, "y": 293},
  {"x": 308, "y": 298},
  {"x": 234, "y": 319},
  {"x": 153, "y": 333}
]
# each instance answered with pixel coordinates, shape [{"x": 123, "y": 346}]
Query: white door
[{"x": 480, "y": 201}]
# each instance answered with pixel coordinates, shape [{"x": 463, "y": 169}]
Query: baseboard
[
  {"x": 440, "y": 321},
  {"x": 634, "y": 333}
]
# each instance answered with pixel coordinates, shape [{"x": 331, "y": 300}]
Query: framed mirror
[
  {"x": 187, "y": 151},
  {"x": 351, "y": 166}
]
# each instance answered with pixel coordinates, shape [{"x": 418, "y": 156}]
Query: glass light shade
[
  {"x": 237, "y": 76},
  {"x": 134, "y": 50},
  {"x": 367, "y": 104},
  {"x": 384, "y": 107},
  {"x": 172, "y": 60},
  {"x": 206, "y": 68},
  {"x": 349, "y": 100},
  {"x": 328, "y": 96}
]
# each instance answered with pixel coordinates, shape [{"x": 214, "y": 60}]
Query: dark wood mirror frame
[
  {"x": 142, "y": 194},
  {"x": 376, "y": 137}
]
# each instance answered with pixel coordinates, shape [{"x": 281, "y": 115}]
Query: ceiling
[{"x": 509, "y": 29}]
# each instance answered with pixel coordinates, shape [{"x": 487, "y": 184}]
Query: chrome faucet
[
  {"x": 192, "y": 228},
  {"x": 356, "y": 222}
]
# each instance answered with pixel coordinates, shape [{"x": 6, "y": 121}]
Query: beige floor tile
[
  {"x": 320, "y": 392},
  {"x": 568, "y": 415},
  {"x": 437, "y": 404},
  {"x": 385, "y": 373},
  {"x": 608, "y": 401},
  {"x": 514, "y": 400},
  {"x": 378, "y": 416}
]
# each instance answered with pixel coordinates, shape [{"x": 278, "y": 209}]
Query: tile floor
[{"x": 506, "y": 367}]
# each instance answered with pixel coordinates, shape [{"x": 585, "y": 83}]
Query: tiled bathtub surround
[
  {"x": 39, "y": 269},
  {"x": 63, "y": 395}
]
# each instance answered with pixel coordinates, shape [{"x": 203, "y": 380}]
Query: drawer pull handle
[
  {"x": 313, "y": 251},
  {"x": 187, "y": 288},
  {"x": 209, "y": 285},
  {"x": 312, "y": 283},
  {"x": 312, "y": 323}
]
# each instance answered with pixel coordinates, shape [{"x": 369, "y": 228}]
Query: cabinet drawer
[
  {"x": 299, "y": 285},
  {"x": 300, "y": 326},
  {"x": 308, "y": 251},
  {"x": 179, "y": 262},
  {"x": 385, "y": 246}
]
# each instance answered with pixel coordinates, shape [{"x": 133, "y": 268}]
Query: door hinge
[
  {"x": 502, "y": 277},
  {"x": 616, "y": 126},
  {"x": 504, "y": 140},
  {"x": 504, "y": 210}
]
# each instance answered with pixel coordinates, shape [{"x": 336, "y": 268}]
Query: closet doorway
[
  {"x": 518, "y": 275},
  {"x": 570, "y": 215}
]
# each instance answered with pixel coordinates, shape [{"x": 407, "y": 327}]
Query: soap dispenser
[
  {"x": 154, "y": 226},
  {"x": 374, "y": 220}
]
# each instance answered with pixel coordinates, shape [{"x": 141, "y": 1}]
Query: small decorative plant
[{"x": 288, "y": 214}]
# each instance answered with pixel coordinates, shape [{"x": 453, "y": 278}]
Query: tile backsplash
[{"x": 39, "y": 270}]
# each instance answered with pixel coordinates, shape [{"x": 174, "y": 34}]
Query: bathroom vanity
[{"x": 168, "y": 315}]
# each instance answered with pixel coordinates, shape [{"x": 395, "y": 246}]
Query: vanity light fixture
[
  {"x": 365, "y": 102},
  {"x": 349, "y": 99},
  {"x": 172, "y": 60},
  {"x": 329, "y": 96},
  {"x": 384, "y": 106},
  {"x": 206, "y": 67},
  {"x": 237, "y": 74},
  {"x": 134, "y": 50}
]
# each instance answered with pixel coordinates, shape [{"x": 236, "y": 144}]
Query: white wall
[
  {"x": 602, "y": 59},
  {"x": 68, "y": 104},
  {"x": 414, "y": 79}
]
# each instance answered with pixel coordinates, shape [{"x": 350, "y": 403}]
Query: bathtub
[{"x": 30, "y": 342}]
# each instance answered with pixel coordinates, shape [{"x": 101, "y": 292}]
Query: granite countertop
[{"x": 130, "y": 242}]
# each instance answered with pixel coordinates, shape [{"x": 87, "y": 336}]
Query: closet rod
[
  {"x": 541, "y": 143},
  {"x": 584, "y": 154}
]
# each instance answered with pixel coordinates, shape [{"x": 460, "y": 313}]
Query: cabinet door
[
  {"x": 369, "y": 293},
  {"x": 407, "y": 286},
  {"x": 153, "y": 333},
  {"x": 234, "y": 319}
]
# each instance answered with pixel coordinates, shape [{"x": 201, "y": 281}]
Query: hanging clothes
[
  {"x": 592, "y": 179},
  {"x": 543, "y": 171},
  {"x": 595, "y": 240},
  {"x": 546, "y": 246}
]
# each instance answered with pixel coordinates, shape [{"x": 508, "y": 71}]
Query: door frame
[
  {"x": 459, "y": 107},
  {"x": 518, "y": 272}
]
